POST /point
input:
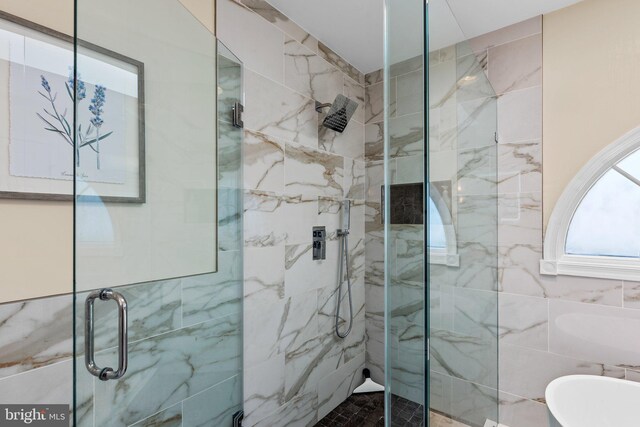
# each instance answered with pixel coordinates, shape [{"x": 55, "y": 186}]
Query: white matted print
[{"x": 36, "y": 64}]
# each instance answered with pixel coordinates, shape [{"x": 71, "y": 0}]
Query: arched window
[
  {"x": 443, "y": 246},
  {"x": 594, "y": 230}
]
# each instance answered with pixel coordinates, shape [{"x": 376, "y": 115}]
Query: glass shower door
[
  {"x": 442, "y": 265},
  {"x": 158, "y": 216}
]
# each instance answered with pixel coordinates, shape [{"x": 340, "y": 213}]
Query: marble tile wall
[
  {"x": 406, "y": 296},
  {"x": 296, "y": 173}
]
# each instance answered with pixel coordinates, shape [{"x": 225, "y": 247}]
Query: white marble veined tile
[
  {"x": 210, "y": 296},
  {"x": 303, "y": 273},
  {"x": 516, "y": 65},
  {"x": 338, "y": 386},
  {"x": 35, "y": 333},
  {"x": 520, "y": 167},
  {"x": 471, "y": 77},
  {"x": 301, "y": 410},
  {"x": 518, "y": 411},
  {"x": 198, "y": 410},
  {"x": 154, "y": 308},
  {"x": 407, "y": 66},
  {"x": 507, "y": 34},
  {"x": 476, "y": 313},
  {"x": 170, "y": 417},
  {"x": 375, "y": 339},
  {"x": 300, "y": 321},
  {"x": 262, "y": 332},
  {"x": 374, "y": 77},
  {"x": 51, "y": 384},
  {"x": 263, "y": 389},
  {"x": 478, "y": 267},
  {"x": 524, "y": 321},
  {"x": 264, "y": 223},
  {"x": 520, "y": 115},
  {"x": 409, "y": 169},
  {"x": 300, "y": 214},
  {"x": 473, "y": 404},
  {"x": 440, "y": 393},
  {"x": 609, "y": 335},
  {"x": 631, "y": 295},
  {"x": 442, "y": 83},
  {"x": 355, "y": 91},
  {"x": 410, "y": 93},
  {"x": 330, "y": 216},
  {"x": 527, "y": 372},
  {"x": 168, "y": 368},
  {"x": 349, "y": 143},
  {"x": 274, "y": 16},
  {"x": 263, "y": 162},
  {"x": 374, "y": 258},
  {"x": 260, "y": 49},
  {"x": 519, "y": 270},
  {"x": 327, "y": 302},
  {"x": 476, "y": 123},
  {"x": 333, "y": 58},
  {"x": 583, "y": 289},
  {"x": 313, "y": 172},
  {"x": 465, "y": 357},
  {"x": 374, "y": 141},
  {"x": 276, "y": 110},
  {"x": 477, "y": 219},
  {"x": 354, "y": 177},
  {"x": 406, "y": 135},
  {"x": 309, "y": 74},
  {"x": 520, "y": 219},
  {"x": 374, "y": 103},
  {"x": 263, "y": 276}
]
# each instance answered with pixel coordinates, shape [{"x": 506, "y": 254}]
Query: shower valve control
[{"x": 319, "y": 243}]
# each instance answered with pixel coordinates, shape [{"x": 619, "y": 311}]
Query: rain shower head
[{"x": 339, "y": 114}]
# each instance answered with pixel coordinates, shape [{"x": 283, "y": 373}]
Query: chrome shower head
[{"x": 339, "y": 114}]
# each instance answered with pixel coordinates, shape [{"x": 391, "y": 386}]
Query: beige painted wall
[
  {"x": 36, "y": 246},
  {"x": 591, "y": 86}
]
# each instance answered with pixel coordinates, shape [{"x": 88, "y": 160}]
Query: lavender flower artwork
[{"x": 57, "y": 122}]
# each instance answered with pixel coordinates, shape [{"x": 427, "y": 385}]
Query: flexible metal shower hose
[{"x": 344, "y": 255}]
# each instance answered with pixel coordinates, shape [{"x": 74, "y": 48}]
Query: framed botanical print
[{"x": 42, "y": 146}]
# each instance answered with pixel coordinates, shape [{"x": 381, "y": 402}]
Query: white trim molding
[{"x": 555, "y": 261}]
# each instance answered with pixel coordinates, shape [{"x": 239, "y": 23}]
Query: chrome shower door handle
[{"x": 107, "y": 373}]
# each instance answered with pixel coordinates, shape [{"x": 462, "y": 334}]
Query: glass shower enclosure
[
  {"x": 441, "y": 219},
  {"x": 158, "y": 216}
]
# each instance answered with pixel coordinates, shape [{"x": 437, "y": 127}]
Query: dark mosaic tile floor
[{"x": 367, "y": 410}]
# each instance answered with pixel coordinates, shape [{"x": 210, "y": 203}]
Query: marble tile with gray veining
[
  {"x": 406, "y": 135},
  {"x": 354, "y": 177},
  {"x": 410, "y": 93},
  {"x": 349, "y": 143},
  {"x": 229, "y": 156},
  {"x": 300, "y": 321},
  {"x": 35, "y": 333},
  {"x": 518, "y": 411},
  {"x": 375, "y": 345},
  {"x": 355, "y": 91},
  {"x": 472, "y": 78},
  {"x": 170, "y": 417},
  {"x": 276, "y": 110},
  {"x": 374, "y": 141},
  {"x": 210, "y": 296},
  {"x": 280, "y": 20},
  {"x": 479, "y": 269},
  {"x": 476, "y": 123},
  {"x": 263, "y": 162},
  {"x": 168, "y": 368},
  {"x": 154, "y": 308},
  {"x": 520, "y": 167},
  {"x": 262, "y": 331},
  {"x": 263, "y": 389},
  {"x": 407, "y": 66},
  {"x": 307, "y": 73},
  {"x": 335, "y": 59},
  {"x": 300, "y": 213},
  {"x": 476, "y": 313},
  {"x": 520, "y": 219},
  {"x": 519, "y": 270},
  {"x": 312, "y": 172},
  {"x": 230, "y": 207},
  {"x": 524, "y": 321},
  {"x": 264, "y": 224},
  {"x": 302, "y": 410},
  {"x": 214, "y": 406},
  {"x": 330, "y": 216},
  {"x": 516, "y": 65},
  {"x": 374, "y": 258},
  {"x": 374, "y": 77},
  {"x": 477, "y": 172},
  {"x": 472, "y": 403},
  {"x": 374, "y": 103},
  {"x": 338, "y": 386},
  {"x": 303, "y": 274},
  {"x": 631, "y": 295},
  {"x": 477, "y": 217},
  {"x": 263, "y": 276}
]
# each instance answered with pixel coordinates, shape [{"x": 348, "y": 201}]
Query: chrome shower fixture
[{"x": 340, "y": 112}]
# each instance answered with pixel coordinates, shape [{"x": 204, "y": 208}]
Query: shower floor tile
[{"x": 367, "y": 410}]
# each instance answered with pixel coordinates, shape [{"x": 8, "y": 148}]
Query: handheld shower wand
[{"x": 344, "y": 257}]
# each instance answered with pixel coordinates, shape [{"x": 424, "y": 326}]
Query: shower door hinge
[
  {"x": 237, "y": 419},
  {"x": 495, "y": 137},
  {"x": 236, "y": 113},
  {"x": 428, "y": 349}
]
